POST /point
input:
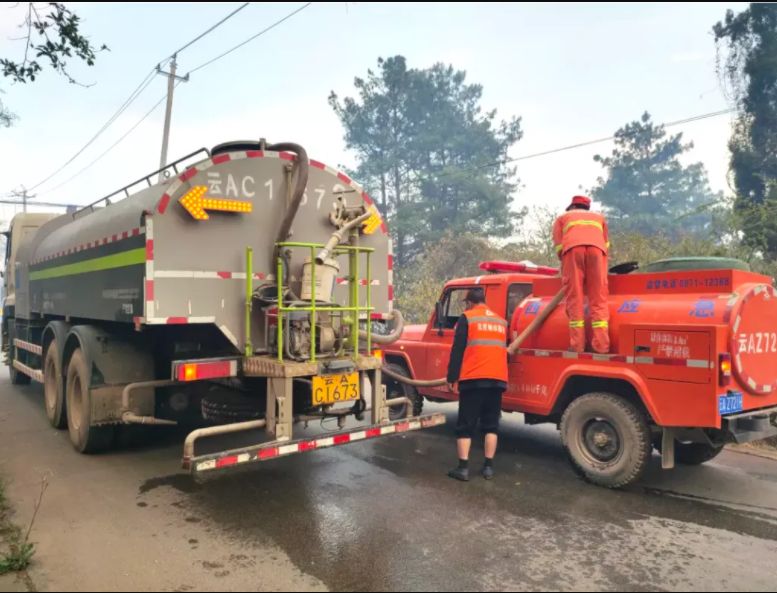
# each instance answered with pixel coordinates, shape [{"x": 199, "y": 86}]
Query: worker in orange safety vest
[
  {"x": 583, "y": 244},
  {"x": 478, "y": 364}
]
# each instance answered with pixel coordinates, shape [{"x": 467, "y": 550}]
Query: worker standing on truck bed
[
  {"x": 582, "y": 241},
  {"x": 478, "y": 364}
]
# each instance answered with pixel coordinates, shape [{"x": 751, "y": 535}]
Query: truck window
[
  {"x": 516, "y": 294},
  {"x": 454, "y": 306}
]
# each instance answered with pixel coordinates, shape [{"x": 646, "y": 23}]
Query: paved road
[{"x": 383, "y": 517}]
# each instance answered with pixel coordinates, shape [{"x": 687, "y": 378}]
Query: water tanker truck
[
  {"x": 693, "y": 364},
  {"x": 238, "y": 286}
]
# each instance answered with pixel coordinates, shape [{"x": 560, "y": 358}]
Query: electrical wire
[
  {"x": 134, "y": 96},
  {"x": 209, "y": 31},
  {"x": 247, "y": 41},
  {"x": 119, "y": 141},
  {"x": 574, "y": 146}
]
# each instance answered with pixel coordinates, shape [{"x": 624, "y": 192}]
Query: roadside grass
[{"x": 15, "y": 550}]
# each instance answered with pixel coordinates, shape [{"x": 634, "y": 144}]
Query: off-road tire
[
  {"x": 54, "y": 388},
  {"x": 633, "y": 432},
  {"x": 692, "y": 454},
  {"x": 86, "y": 439},
  {"x": 395, "y": 389}
]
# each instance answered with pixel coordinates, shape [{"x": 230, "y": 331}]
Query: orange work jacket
[
  {"x": 486, "y": 353},
  {"x": 580, "y": 228}
]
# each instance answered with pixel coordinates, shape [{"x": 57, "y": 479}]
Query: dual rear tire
[{"x": 69, "y": 402}]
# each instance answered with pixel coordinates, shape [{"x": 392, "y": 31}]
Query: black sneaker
[
  {"x": 487, "y": 473},
  {"x": 462, "y": 475}
]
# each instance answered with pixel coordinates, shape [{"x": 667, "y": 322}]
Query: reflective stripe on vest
[
  {"x": 598, "y": 225},
  {"x": 486, "y": 353},
  {"x": 577, "y": 324},
  {"x": 600, "y": 324}
]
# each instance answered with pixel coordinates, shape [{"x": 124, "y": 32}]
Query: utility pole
[
  {"x": 169, "y": 114},
  {"x": 24, "y": 196}
]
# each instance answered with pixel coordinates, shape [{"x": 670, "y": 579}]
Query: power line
[
  {"x": 576, "y": 146},
  {"x": 136, "y": 93},
  {"x": 119, "y": 141},
  {"x": 209, "y": 31},
  {"x": 247, "y": 41}
]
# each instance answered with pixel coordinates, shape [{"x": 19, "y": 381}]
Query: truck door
[
  {"x": 439, "y": 351},
  {"x": 517, "y": 390}
]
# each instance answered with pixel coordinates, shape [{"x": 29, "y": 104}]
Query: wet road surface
[{"x": 382, "y": 516}]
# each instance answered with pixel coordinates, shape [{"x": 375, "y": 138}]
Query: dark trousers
[{"x": 484, "y": 405}]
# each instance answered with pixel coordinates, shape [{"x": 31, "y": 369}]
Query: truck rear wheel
[
  {"x": 607, "y": 440},
  {"x": 693, "y": 453},
  {"x": 395, "y": 390},
  {"x": 54, "y": 388},
  {"x": 86, "y": 439}
]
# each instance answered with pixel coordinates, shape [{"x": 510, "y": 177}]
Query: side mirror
[{"x": 439, "y": 317}]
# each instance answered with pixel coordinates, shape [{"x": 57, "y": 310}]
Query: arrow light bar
[{"x": 196, "y": 204}]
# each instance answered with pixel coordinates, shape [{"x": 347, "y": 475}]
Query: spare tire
[{"x": 220, "y": 406}]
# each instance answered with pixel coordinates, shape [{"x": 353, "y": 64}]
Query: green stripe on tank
[{"x": 110, "y": 262}]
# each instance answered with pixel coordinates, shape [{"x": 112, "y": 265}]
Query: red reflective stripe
[
  {"x": 255, "y": 154},
  {"x": 162, "y": 208},
  {"x": 227, "y": 461},
  {"x": 317, "y": 165},
  {"x": 267, "y": 453},
  {"x": 287, "y": 156},
  {"x": 136, "y": 232},
  {"x": 222, "y": 158},
  {"x": 403, "y": 427},
  {"x": 123, "y": 236},
  {"x": 391, "y": 293},
  {"x": 344, "y": 178},
  {"x": 309, "y": 446},
  {"x": 391, "y": 263},
  {"x": 375, "y": 432},
  {"x": 149, "y": 249},
  {"x": 149, "y": 290},
  {"x": 189, "y": 174},
  {"x": 177, "y": 321},
  {"x": 343, "y": 439},
  {"x": 225, "y": 275}
]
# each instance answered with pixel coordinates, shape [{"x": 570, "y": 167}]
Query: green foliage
[
  {"x": 53, "y": 34},
  {"x": 647, "y": 189},
  {"x": 423, "y": 144},
  {"x": 18, "y": 552},
  {"x": 7, "y": 118},
  {"x": 747, "y": 65}
]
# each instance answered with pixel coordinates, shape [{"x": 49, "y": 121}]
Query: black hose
[{"x": 296, "y": 198}]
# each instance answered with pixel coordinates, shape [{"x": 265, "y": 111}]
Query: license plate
[
  {"x": 335, "y": 389},
  {"x": 730, "y": 404}
]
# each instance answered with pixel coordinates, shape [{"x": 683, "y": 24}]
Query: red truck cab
[{"x": 693, "y": 364}]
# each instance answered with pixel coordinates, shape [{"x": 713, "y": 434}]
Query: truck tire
[
  {"x": 17, "y": 378},
  {"x": 607, "y": 440},
  {"x": 86, "y": 439},
  {"x": 54, "y": 388},
  {"x": 220, "y": 406},
  {"x": 395, "y": 389},
  {"x": 693, "y": 453}
]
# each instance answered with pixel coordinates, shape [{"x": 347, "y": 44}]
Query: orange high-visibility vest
[
  {"x": 580, "y": 228},
  {"x": 486, "y": 353}
]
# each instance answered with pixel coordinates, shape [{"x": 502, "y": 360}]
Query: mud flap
[{"x": 667, "y": 449}]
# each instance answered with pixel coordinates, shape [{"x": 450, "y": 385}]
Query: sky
[{"x": 573, "y": 71}]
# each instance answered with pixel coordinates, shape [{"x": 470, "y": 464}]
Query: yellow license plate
[{"x": 335, "y": 389}]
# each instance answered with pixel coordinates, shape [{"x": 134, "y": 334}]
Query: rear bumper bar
[
  {"x": 752, "y": 427},
  {"x": 265, "y": 452}
]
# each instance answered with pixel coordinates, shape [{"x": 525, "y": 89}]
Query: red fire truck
[{"x": 693, "y": 364}]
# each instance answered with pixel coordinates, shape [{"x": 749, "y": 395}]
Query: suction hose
[
  {"x": 338, "y": 237},
  {"x": 296, "y": 198},
  {"x": 511, "y": 350},
  {"x": 399, "y": 327}
]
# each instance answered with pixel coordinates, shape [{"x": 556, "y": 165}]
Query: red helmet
[{"x": 580, "y": 201}]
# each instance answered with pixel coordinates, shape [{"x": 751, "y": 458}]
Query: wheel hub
[{"x": 601, "y": 440}]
